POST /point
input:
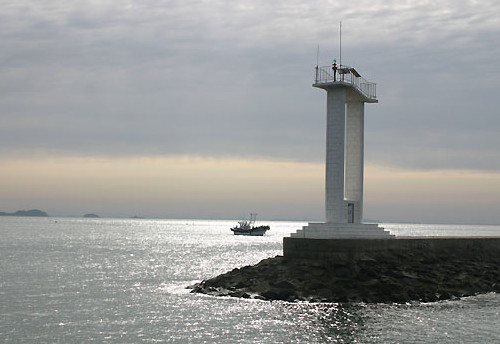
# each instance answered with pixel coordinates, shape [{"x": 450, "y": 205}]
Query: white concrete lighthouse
[{"x": 347, "y": 92}]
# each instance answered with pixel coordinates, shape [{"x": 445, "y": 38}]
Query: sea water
[{"x": 75, "y": 280}]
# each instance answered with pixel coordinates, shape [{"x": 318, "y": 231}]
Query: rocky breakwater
[{"x": 384, "y": 276}]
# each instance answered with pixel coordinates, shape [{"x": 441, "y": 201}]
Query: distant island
[
  {"x": 91, "y": 215},
  {"x": 32, "y": 212}
]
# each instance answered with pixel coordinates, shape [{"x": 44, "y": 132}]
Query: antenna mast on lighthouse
[{"x": 340, "y": 44}]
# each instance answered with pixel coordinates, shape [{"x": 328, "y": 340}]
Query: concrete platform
[
  {"x": 342, "y": 231},
  {"x": 475, "y": 248}
]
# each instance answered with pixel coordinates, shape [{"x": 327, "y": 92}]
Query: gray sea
[{"x": 75, "y": 280}]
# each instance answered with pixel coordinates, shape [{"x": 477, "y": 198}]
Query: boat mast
[{"x": 253, "y": 217}]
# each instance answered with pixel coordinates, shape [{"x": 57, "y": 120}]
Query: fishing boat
[{"x": 248, "y": 228}]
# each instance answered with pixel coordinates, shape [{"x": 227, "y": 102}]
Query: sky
[{"x": 205, "y": 109}]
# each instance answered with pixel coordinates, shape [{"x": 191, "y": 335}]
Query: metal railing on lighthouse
[{"x": 346, "y": 75}]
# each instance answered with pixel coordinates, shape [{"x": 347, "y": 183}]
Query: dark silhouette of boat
[{"x": 248, "y": 228}]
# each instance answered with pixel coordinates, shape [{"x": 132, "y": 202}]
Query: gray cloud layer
[{"x": 233, "y": 78}]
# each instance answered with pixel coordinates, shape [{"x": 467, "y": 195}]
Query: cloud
[
  {"x": 233, "y": 79},
  {"x": 201, "y": 187},
  {"x": 438, "y": 196},
  {"x": 170, "y": 187},
  {"x": 205, "y": 108}
]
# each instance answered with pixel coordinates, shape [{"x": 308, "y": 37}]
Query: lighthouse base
[{"x": 342, "y": 231}]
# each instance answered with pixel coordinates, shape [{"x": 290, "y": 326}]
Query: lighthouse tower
[{"x": 346, "y": 94}]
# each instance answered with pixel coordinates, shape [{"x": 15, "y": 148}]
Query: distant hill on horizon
[
  {"x": 91, "y": 215},
  {"x": 32, "y": 212}
]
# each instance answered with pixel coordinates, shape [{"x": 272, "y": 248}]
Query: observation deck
[{"x": 327, "y": 77}]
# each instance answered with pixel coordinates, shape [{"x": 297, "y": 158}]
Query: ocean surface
[{"x": 76, "y": 280}]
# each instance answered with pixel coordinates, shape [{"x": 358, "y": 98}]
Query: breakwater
[{"x": 367, "y": 270}]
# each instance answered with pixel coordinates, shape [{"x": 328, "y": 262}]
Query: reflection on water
[
  {"x": 328, "y": 323},
  {"x": 252, "y": 321},
  {"x": 123, "y": 281}
]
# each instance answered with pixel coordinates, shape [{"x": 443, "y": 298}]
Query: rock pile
[{"x": 376, "y": 278}]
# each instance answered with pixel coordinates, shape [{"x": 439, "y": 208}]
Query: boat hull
[{"x": 255, "y": 231}]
